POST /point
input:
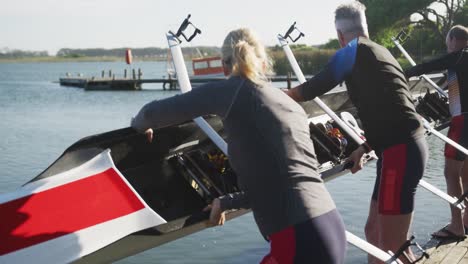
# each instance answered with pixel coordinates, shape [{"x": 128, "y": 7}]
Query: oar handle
[
  {"x": 183, "y": 27},
  {"x": 290, "y": 31},
  {"x": 402, "y": 36},
  {"x": 185, "y": 86}
]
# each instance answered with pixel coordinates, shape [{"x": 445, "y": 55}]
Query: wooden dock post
[
  {"x": 103, "y": 73},
  {"x": 125, "y": 73},
  {"x": 288, "y": 80},
  {"x": 140, "y": 73},
  {"x": 110, "y": 73},
  {"x": 172, "y": 83},
  {"x": 134, "y": 74}
]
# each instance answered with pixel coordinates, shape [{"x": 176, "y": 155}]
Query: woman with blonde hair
[{"x": 269, "y": 149}]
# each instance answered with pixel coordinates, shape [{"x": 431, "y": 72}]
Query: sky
[{"x": 50, "y": 25}]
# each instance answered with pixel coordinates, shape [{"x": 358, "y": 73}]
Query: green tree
[
  {"x": 331, "y": 44},
  {"x": 441, "y": 21},
  {"x": 386, "y": 17},
  {"x": 462, "y": 16},
  {"x": 427, "y": 21},
  {"x": 311, "y": 59}
]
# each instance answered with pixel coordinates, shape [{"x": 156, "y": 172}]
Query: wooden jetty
[
  {"x": 101, "y": 83},
  {"x": 446, "y": 252},
  {"x": 135, "y": 83},
  {"x": 109, "y": 82}
]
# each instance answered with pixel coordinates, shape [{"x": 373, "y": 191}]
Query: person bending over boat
[
  {"x": 377, "y": 87},
  {"x": 456, "y": 166},
  {"x": 269, "y": 149}
]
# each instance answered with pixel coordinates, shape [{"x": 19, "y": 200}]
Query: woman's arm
[
  {"x": 236, "y": 200},
  {"x": 211, "y": 98},
  {"x": 227, "y": 202}
]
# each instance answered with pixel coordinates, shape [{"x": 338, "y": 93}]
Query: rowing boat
[{"x": 182, "y": 171}]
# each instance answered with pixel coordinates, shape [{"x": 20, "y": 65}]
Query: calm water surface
[{"x": 40, "y": 119}]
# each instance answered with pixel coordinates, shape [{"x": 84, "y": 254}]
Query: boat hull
[{"x": 174, "y": 176}]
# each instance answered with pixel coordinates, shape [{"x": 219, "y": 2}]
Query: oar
[
  {"x": 184, "y": 81},
  {"x": 300, "y": 76},
  {"x": 397, "y": 41},
  {"x": 444, "y": 138}
]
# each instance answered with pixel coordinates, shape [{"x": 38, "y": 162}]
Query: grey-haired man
[{"x": 378, "y": 88}]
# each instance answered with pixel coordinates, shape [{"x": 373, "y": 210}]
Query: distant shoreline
[{"x": 54, "y": 59}]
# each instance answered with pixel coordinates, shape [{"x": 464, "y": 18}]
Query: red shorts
[
  {"x": 399, "y": 169},
  {"x": 458, "y": 132},
  {"x": 318, "y": 240}
]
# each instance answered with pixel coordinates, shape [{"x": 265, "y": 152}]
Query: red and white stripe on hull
[{"x": 72, "y": 214}]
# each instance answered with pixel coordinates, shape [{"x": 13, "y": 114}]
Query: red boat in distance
[{"x": 208, "y": 67}]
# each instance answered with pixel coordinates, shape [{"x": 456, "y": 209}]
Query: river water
[{"x": 40, "y": 119}]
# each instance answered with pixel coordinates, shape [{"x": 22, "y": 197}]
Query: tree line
[
  {"x": 7, "y": 53},
  {"x": 149, "y": 52},
  {"x": 426, "y": 21},
  {"x": 137, "y": 53}
]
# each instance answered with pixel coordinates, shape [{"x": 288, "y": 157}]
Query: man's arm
[
  {"x": 294, "y": 94},
  {"x": 336, "y": 71},
  {"x": 447, "y": 61}
]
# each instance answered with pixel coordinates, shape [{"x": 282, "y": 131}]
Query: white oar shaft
[
  {"x": 452, "y": 200},
  {"x": 444, "y": 138},
  {"x": 185, "y": 86},
  {"x": 403, "y": 51},
  {"x": 369, "y": 248},
  {"x": 413, "y": 63},
  {"x": 301, "y": 78}
]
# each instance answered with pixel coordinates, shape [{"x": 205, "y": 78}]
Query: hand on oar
[
  {"x": 356, "y": 159},
  {"x": 217, "y": 216}
]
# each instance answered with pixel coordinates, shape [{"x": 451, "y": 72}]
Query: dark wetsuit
[
  {"x": 270, "y": 150},
  {"x": 377, "y": 87},
  {"x": 456, "y": 64}
]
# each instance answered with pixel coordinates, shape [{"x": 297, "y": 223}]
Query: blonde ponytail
[{"x": 246, "y": 57}]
